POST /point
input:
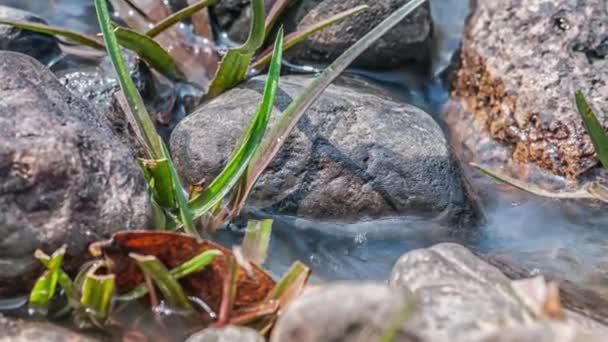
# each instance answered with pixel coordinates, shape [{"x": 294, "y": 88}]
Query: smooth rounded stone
[
  {"x": 539, "y": 332},
  {"x": 17, "y": 330},
  {"x": 347, "y": 312},
  {"x": 40, "y": 46},
  {"x": 520, "y": 64},
  {"x": 229, "y": 333},
  {"x": 459, "y": 293},
  {"x": 408, "y": 42},
  {"x": 353, "y": 154},
  {"x": 64, "y": 176}
]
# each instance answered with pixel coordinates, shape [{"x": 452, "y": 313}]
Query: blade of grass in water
[
  {"x": 257, "y": 239},
  {"x": 277, "y": 137},
  {"x": 97, "y": 293},
  {"x": 193, "y": 265},
  {"x": 150, "y": 51},
  {"x": 144, "y": 123},
  {"x": 249, "y": 142},
  {"x": 594, "y": 128},
  {"x": 178, "y": 16},
  {"x": 172, "y": 291},
  {"x": 592, "y": 191},
  {"x": 81, "y": 38},
  {"x": 235, "y": 64},
  {"x": 64, "y": 279},
  {"x": 298, "y": 36},
  {"x": 157, "y": 171},
  {"x": 45, "y": 287}
]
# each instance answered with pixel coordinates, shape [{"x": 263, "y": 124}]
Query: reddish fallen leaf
[{"x": 173, "y": 249}]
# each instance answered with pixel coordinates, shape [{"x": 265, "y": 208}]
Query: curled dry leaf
[{"x": 173, "y": 249}]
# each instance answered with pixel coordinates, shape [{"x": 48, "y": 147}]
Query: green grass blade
[
  {"x": 64, "y": 279},
  {"x": 235, "y": 64},
  {"x": 158, "y": 174},
  {"x": 150, "y": 51},
  {"x": 172, "y": 291},
  {"x": 257, "y": 240},
  {"x": 141, "y": 116},
  {"x": 193, "y": 265},
  {"x": 296, "y": 37},
  {"x": 178, "y": 16},
  {"x": 81, "y": 38},
  {"x": 584, "y": 193},
  {"x": 277, "y": 137},
  {"x": 249, "y": 142},
  {"x": 45, "y": 287},
  {"x": 97, "y": 293},
  {"x": 594, "y": 128}
]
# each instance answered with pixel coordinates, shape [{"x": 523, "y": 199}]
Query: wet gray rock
[
  {"x": 227, "y": 334},
  {"x": 521, "y": 63},
  {"x": 541, "y": 332},
  {"x": 406, "y": 43},
  {"x": 40, "y": 46},
  {"x": 354, "y": 154},
  {"x": 64, "y": 176},
  {"x": 346, "y": 312},
  {"x": 17, "y": 330}
]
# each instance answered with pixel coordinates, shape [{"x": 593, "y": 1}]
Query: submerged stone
[
  {"x": 354, "y": 154},
  {"x": 229, "y": 333},
  {"x": 40, "y": 46},
  {"x": 65, "y": 178},
  {"x": 17, "y": 330}
]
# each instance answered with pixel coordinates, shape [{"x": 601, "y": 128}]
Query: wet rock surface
[
  {"x": 234, "y": 17},
  {"x": 40, "y": 46},
  {"x": 407, "y": 42},
  {"x": 17, "y": 330},
  {"x": 354, "y": 154},
  {"x": 346, "y": 312},
  {"x": 64, "y": 176},
  {"x": 227, "y": 334},
  {"x": 521, "y": 63}
]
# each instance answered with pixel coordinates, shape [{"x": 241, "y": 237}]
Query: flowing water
[{"x": 565, "y": 239}]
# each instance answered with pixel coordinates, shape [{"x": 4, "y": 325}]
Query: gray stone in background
[
  {"x": 40, "y": 46},
  {"x": 234, "y": 17},
  {"x": 229, "y": 333},
  {"x": 521, "y": 63},
  {"x": 64, "y": 176},
  {"x": 17, "y": 330},
  {"x": 354, "y": 154},
  {"x": 346, "y": 312}
]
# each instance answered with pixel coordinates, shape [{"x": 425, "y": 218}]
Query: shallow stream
[{"x": 565, "y": 239}]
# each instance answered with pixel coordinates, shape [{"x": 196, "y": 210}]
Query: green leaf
[
  {"x": 296, "y": 37},
  {"x": 249, "y": 142},
  {"x": 145, "y": 126},
  {"x": 594, "y": 128},
  {"x": 591, "y": 191},
  {"x": 158, "y": 175},
  {"x": 193, "y": 265},
  {"x": 178, "y": 16},
  {"x": 81, "y": 38},
  {"x": 172, "y": 291},
  {"x": 97, "y": 293},
  {"x": 45, "y": 287},
  {"x": 64, "y": 279},
  {"x": 235, "y": 64},
  {"x": 278, "y": 135},
  {"x": 150, "y": 51},
  {"x": 257, "y": 240}
]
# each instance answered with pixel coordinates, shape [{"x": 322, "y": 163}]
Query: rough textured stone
[
  {"x": 521, "y": 63},
  {"x": 542, "y": 332},
  {"x": 64, "y": 176},
  {"x": 354, "y": 154},
  {"x": 16, "y": 330},
  {"x": 407, "y": 42},
  {"x": 346, "y": 312},
  {"x": 227, "y": 334},
  {"x": 40, "y": 46}
]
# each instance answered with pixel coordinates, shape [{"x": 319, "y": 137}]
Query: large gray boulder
[
  {"x": 40, "y": 46},
  {"x": 520, "y": 64},
  {"x": 64, "y": 176},
  {"x": 354, "y": 154}
]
